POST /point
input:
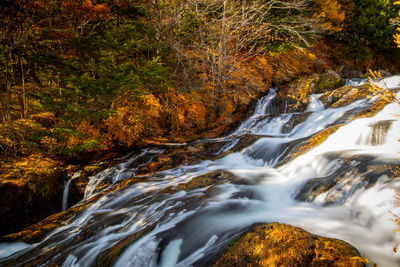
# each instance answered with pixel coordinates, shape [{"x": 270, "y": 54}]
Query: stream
[{"x": 342, "y": 188}]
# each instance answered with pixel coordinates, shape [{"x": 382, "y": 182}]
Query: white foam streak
[
  {"x": 392, "y": 82},
  {"x": 7, "y": 249}
]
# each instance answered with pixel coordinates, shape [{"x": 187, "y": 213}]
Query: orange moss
[
  {"x": 313, "y": 142},
  {"x": 25, "y": 185},
  {"x": 284, "y": 245}
]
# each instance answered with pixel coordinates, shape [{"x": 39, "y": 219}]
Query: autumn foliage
[{"x": 85, "y": 76}]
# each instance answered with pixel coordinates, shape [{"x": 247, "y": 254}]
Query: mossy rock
[
  {"x": 26, "y": 186},
  {"x": 327, "y": 81},
  {"x": 91, "y": 170},
  {"x": 296, "y": 94},
  {"x": 345, "y": 95},
  {"x": 285, "y": 245},
  {"x": 311, "y": 143}
]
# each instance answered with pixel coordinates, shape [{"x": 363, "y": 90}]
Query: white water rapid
[{"x": 342, "y": 188}]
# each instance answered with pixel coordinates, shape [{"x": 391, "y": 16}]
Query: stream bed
[{"x": 341, "y": 188}]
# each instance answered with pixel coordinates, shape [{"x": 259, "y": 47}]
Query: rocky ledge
[{"x": 30, "y": 189}]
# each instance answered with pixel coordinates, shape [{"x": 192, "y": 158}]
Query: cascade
[{"x": 341, "y": 188}]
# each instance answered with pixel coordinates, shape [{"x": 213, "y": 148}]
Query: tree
[
  {"x": 221, "y": 34},
  {"x": 369, "y": 26},
  {"x": 396, "y": 22}
]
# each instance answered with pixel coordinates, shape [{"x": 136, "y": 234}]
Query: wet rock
[
  {"x": 110, "y": 256},
  {"x": 213, "y": 178},
  {"x": 294, "y": 121},
  {"x": 385, "y": 73},
  {"x": 314, "y": 187},
  {"x": 314, "y": 141},
  {"x": 285, "y": 245},
  {"x": 379, "y": 131},
  {"x": 169, "y": 159},
  {"x": 349, "y": 72},
  {"x": 91, "y": 170},
  {"x": 175, "y": 156},
  {"x": 375, "y": 108},
  {"x": 246, "y": 141},
  {"x": 36, "y": 232},
  {"x": 26, "y": 187},
  {"x": 356, "y": 172},
  {"x": 345, "y": 95}
]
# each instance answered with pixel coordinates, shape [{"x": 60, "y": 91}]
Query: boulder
[
  {"x": 285, "y": 245},
  {"x": 295, "y": 96},
  {"x": 327, "y": 81}
]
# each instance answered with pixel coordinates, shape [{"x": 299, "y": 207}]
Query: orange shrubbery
[
  {"x": 133, "y": 119},
  {"x": 330, "y": 14},
  {"x": 174, "y": 114}
]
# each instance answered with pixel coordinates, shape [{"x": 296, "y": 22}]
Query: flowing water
[{"x": 342, "y": 188}]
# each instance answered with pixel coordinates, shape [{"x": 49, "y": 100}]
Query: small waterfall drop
[
  {"x": 315, "y": 104},
  {"x": 66, "y": 189},
  {"x": 65, "y": 195}
]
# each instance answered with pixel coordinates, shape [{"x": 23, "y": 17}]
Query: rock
[
  {"x": 328, "y": 81},
  {"x": 340, "y": 185},
  {"x": 312, "y": 142},
  {"x": 78, "y": 185},
  {"x": 36, "y": 232},
  {"x": 91, "y": 170},
  {"x": 345, "y": 95},
  {"x": 26, "y": 187},
  {"x": 295, "y": 95},
  {"x": 174, "y": 156},
  {"x": 110, "y": 256},
  {"x": 349, "y": 72},
  {"x": 246, "y": 141},
  {"x": 170, "y": 158},
  {"x": 385, "y": 73},
  {"x": 285, "y": 245},
  {"x": 209, "y": 179}
]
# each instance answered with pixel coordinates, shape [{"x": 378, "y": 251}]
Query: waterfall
[
  {"x": 66, "y": 189},
  {"x": 340, "y": 188},
  {"x": 65, "y": 195}
]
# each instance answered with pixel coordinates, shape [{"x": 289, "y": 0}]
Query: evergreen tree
[{"x": 368, "y": 28}]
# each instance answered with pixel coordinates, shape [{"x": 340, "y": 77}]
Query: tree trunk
[{"x": 24, "y": 103}]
